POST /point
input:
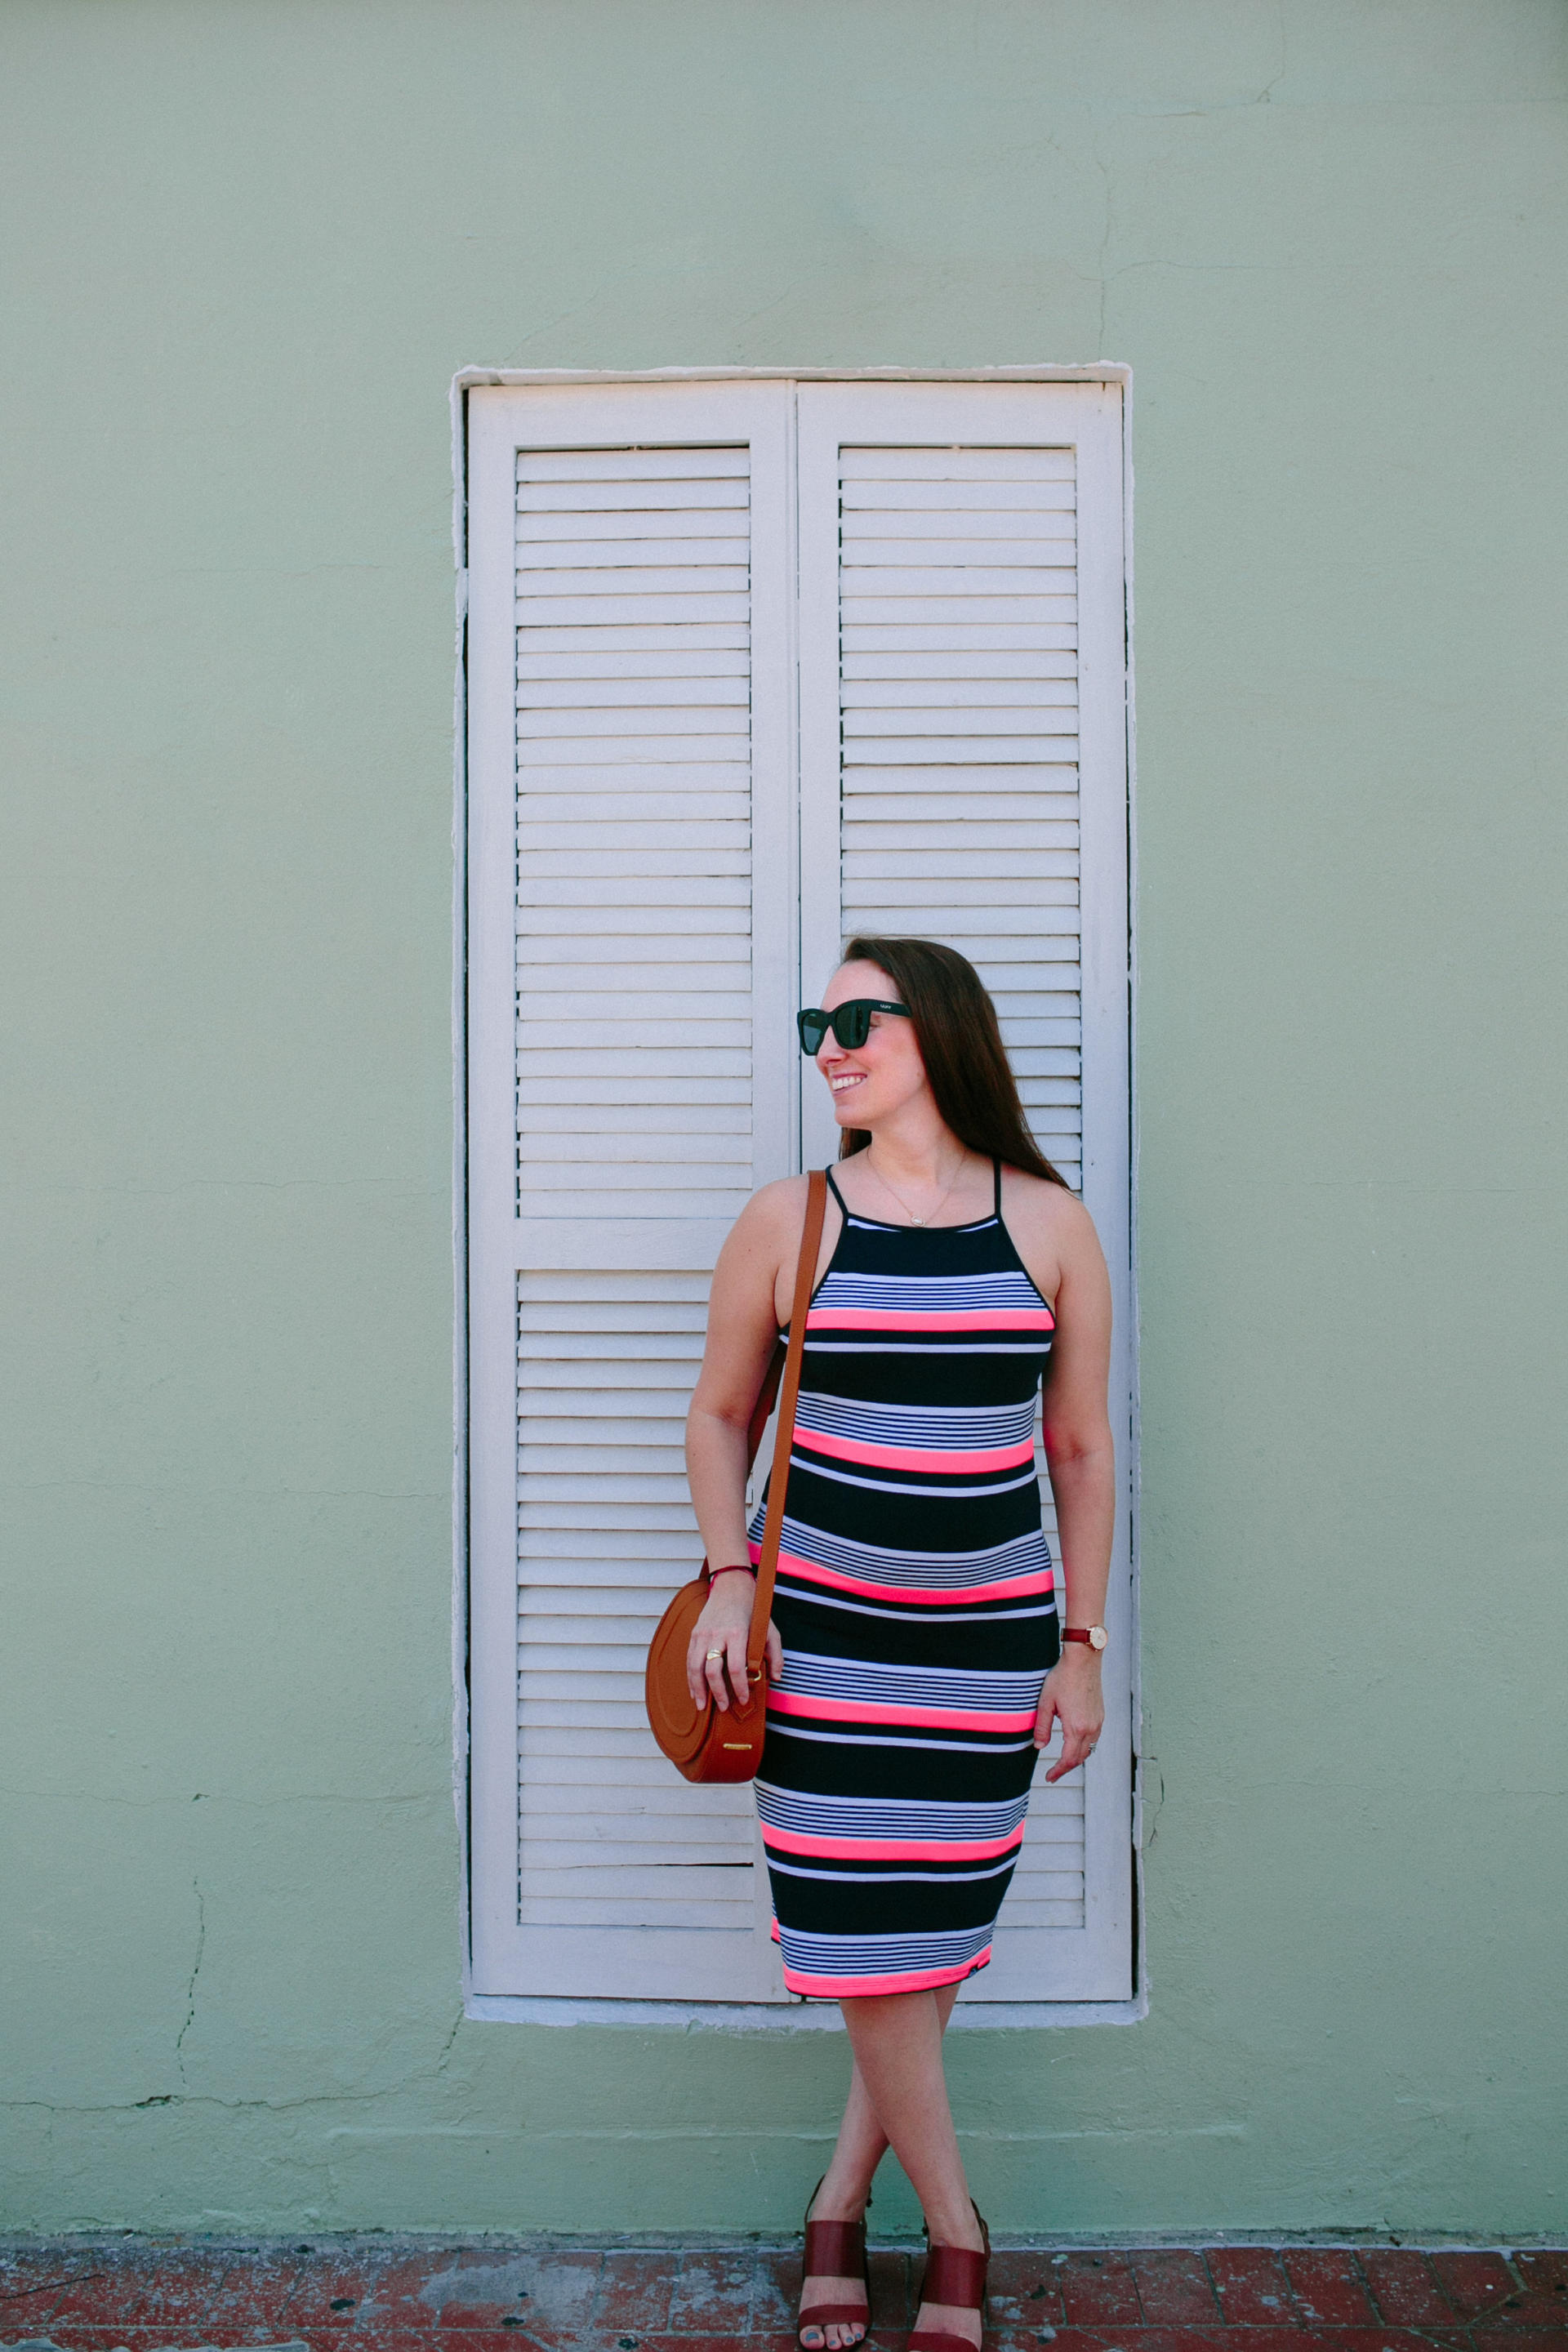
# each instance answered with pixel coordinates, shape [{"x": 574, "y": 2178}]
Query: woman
[{"x": 917, "y": 1663}]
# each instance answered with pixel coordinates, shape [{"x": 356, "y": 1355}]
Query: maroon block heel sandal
[
  {"x": 956, "y": 2275},
  {"x": 834, "y": 2250}
]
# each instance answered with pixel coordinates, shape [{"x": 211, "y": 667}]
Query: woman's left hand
[{"x": 1071, "y": 1696}]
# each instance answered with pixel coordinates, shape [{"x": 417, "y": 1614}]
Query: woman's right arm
[{"x": 742, "y": 1334}]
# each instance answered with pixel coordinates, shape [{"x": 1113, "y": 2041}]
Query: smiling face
[{"x": 885, "y": 1076}]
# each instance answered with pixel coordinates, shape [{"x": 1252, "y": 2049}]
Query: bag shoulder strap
[{"x": 789, "y": 1390}]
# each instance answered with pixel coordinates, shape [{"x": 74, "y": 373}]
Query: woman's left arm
[{"x": 1081, "y": 1455}]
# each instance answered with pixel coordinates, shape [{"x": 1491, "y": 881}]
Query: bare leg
[
  {"x": 862, "y": 2143},
  {"x": 897, "y": 2038}
]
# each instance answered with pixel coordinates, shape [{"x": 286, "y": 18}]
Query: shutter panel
[
  {"x": 629, "y": 597},
  {"x": 951, "y": 620}
]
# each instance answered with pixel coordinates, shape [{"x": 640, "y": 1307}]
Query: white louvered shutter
[
  {"x": 963, "y": 744},
  {"x": 658, "y": 874},
  {"x": 631, "y": 990}
]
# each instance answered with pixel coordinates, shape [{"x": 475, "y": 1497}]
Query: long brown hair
[{"x": 966, "y": 1063}]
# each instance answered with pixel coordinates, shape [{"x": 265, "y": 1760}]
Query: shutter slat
[
  {"x": 660, "y": 1064},
  {"x": 1004, "y": 501},
  {"x": 639, "y": 471},
  {"x": 952, "y": 639},
  {"x": 611, "y": 915},
  {"x": 719, "y": 1898},
  {"x": 661, "y": 900},
  {"x": 681, "y": 718},
  {"x": 703, "y": 1149},
  {"x": 559, "y": 673},
  {"x": 661, "y": 633},
  {"x": 550, "y": 860},
  {"x": 966, "y": 902},
  {"x": 616, "y": 608},
  {"x": 946, "y": 517},
  {"x": 693, "y": 1122},
  {"x": 583, "y": 690},
  {"x": 1006, "y": 783},
  {"x": 632, "y": 566},
  {"x": 892, "y": 601},
  {"x": 683, "y": 522},
  {"x": 944, "y": 690},
  {"x": 687, "y": 948},
  {"x": 945, "y": 661},
  {"x": 651, "y": 1508},
  {"x": 960, "y": 466},
  {"x": 1037, "y": 561}
]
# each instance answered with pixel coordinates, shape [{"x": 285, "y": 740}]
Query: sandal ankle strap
[
  {"x": 835, "y": 2249},
  {"x": 955, "y": 2275}
]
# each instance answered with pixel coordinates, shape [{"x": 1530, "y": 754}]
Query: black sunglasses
[{"x": 851, "y": 1023}]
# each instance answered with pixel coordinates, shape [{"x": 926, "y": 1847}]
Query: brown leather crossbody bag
[{"x": 701, "y": 1741}]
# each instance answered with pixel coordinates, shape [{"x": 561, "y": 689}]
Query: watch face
[{"x": 1097, "y": 1637}]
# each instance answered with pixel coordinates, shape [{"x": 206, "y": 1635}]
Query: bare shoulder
[
  {"x": 1052, "y": 1231},
  {"x": 1032, "y": 1205},
  {"x": 769, "y": 1227},
  {"x": 777, "y": 1208}
]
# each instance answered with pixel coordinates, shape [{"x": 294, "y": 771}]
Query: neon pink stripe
[
  {"x": 900, "y": 1319},
  {"x": 925, "y": 1718},
  {"x": 1006, "y": 1588},
  {"x": 877, "y": 1849},
  {"x": 914, "y": 1457},
  {"x": 915, "y": 1981}
]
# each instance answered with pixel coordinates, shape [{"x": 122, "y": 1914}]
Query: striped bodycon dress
[{"x": 916, "y": 1607}]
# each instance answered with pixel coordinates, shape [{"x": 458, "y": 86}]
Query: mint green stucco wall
[{"x": 246, "y": 246}]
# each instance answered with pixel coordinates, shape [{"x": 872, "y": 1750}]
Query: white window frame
[{"x": 1108, "y": 1010}]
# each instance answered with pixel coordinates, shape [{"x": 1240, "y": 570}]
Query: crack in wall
[
  {"x": 188, "y": 2099},
  {"x": 190, "y": 1987}
]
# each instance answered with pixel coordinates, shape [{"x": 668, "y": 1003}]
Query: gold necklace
[{"x": 900, "y": 1198}]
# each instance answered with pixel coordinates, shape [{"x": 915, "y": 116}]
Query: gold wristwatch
[{"x": 1095, "y": 1635}]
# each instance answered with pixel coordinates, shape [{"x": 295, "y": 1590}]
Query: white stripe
[
  {"x": 1027, "y": 1554},
  {"x": 934, "y": 1817},
  {"x": 982, "y": 1744},
  {"x": 822, "y": 1344},
  {"x": 930, "y": 1493},
  {"x": 940, "y": 1948},
  {"x": 894, "y": 1877},
  {"x": 915, "y": 1613}
]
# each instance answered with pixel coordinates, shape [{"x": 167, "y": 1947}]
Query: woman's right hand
[{"x": 724, "y": 1626}]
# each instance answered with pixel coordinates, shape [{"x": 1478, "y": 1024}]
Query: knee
[{"x": 886, "y": 2007}]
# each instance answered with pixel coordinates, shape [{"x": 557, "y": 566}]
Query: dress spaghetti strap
[{"x": 996, "y": 1166}]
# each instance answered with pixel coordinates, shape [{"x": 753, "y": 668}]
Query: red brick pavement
[{"x": 358, "y": 2295}]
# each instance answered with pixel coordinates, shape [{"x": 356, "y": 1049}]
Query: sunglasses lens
[
  {"x": 813, "y": 1029},
  {"x": 852, "y": 1025}
]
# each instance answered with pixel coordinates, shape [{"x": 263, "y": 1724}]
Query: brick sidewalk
[{"x": 399, "y": 2296}]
